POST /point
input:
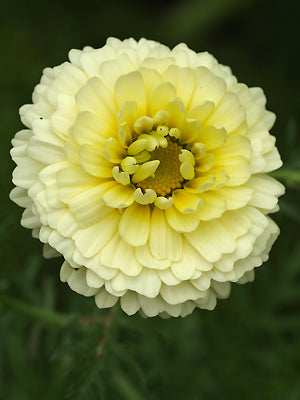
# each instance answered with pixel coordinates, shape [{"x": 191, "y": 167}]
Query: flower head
[{"x": 145, "y": 168}]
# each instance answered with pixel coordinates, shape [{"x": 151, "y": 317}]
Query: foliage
[{"x": 57, "y": 344}]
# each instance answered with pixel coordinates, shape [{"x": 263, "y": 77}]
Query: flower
[{"x": 145, "y": 168}]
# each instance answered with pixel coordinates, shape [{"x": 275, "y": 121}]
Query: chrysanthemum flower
[{"x": 145, "y": 168}]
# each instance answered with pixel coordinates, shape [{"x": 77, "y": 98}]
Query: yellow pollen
[{"x": 167, "y": 176}]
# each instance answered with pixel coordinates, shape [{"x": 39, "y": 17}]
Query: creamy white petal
[
  {"x": 77, "y": 282},
  {"x": 146, "y": 283},
  {"x": 130, "y": 87},
  {"x": 129, "y": 302},
  {"x": 135, "y": 224},
  {"x": 147, "y": 259},
  {"x": 181, "y": 222},
  {"x": 92, "y": 239},
  {"x": 211, "y": 240},
  {"x": 180, "y": 293},
  {"x": 165, "y": 242},
  {"x": 103, "y": 299},
  {"x": 95, "y": 98},
  {"x": 120, "y": 255}
]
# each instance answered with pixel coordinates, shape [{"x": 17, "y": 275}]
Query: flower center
[{"x": 167, "y": 176}]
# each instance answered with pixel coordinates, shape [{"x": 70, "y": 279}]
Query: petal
[
  {"x": 95, "y": 98},
  {"x": 181, "y": 222},
  {"x": 135, "y": 224},
  {"x": 30, "y": 220},
  {"x": 201, "y": 111},
  {"x": 93, "y": 280},
  {"x": 201, "y": 184},
  {"x": 91, "y": 240},
  {"x": 130, "y": 87},
  {"x": 184, "y": 80},
  {"x": 128, "y": 114},
  {"x": 65, "y": 115},
  {"x": 144, "y": 198},
  {"x": 265, "y": 191},
  {"x": 180, "y": 293},
  {"x": 77, "y": 282},
  {"x": 235, "y": 196},
  {"x": 147, "y": 259},
  {"x": 213, "y": 136},
  {"x": 177, "y": 114},
  {"x": 236, "y": 223},
  {"x": 49, "y": 252},
  {"x": 236, "y": 145},
  {"x": 272, "y": 159},
  {"x": 119, "y": 196},
  {"x": 253, "y": 111},
  {"x": 119, "y": 254},
  {"x": 145, "y": 171},
  {"x": 167, "y": 277},
  {"x": 208, "y": 87},
  {"x": 110, "y": 70},
  {"x": 151, "y": 307},
  {"x": 103, "y": 299},
  {"x": 113, "y": 151},
  {"x": 72, "y": 181},
  {"x": 88, "y": 208},
  {"x": 164, "y": 241},
  {"x": 71, "y": 149},
  {"x": 190, "y": 131},
  {"x": 146, "y": 283},
  {"x": 88, "y": 129},
  {"x": 92, "y": 160},
  {"x": 161, "y": 97},
  {"x": 129, "y": 303},
  {"x": 237, "y": 168},
  {"x": 191, "y": 261},
  {"x": 151, "y": 79},
  {"x": 229, "y": 113},
  {"x": 211, "y": 239},
  {"x": 212, "y": 206},
  {"x": 185, "y": 202},
  {"x": 20, "y": 197},
  {"x": 48, "y": 178},
  {"x": 67, "y": 225},
  {"x": 45, "y": 146}
]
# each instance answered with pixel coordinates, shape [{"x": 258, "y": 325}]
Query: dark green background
[{"x": 248, "y": 348}]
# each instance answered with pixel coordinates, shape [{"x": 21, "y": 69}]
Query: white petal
[
  {"x": 146, "y": 283},
  {"x": 77, "y": 282},
  {"x": 135, "y": 224},
  {"x": 165, "y": 242},
  {"x": 181, "y": 222},
  {"x": 93, "y": 279},
  {"x": 130, "y": 87},
  {"x": 129, "y": 302},
  {"x": 119, "y": 254},
  {"x": 211, "y": 240},
  {"x": 147, "y": 259},
  {"x": 92, "y": 239},
  {"x": 190, "y": 261},
  {"x": 95, "y": 98},
  {"x": 180, "y": 293},
  {"x": 103, "y": 299}
]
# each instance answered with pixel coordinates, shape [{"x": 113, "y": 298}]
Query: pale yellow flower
[{"x": 145, "y": 168}]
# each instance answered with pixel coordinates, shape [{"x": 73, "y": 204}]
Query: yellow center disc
[{"x": 167, "y": 176}]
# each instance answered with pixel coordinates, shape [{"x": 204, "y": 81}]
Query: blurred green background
[{"x": 56, "y": 344}]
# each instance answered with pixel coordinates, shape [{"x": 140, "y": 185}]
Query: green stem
[{"x": 39, "y": 313}]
